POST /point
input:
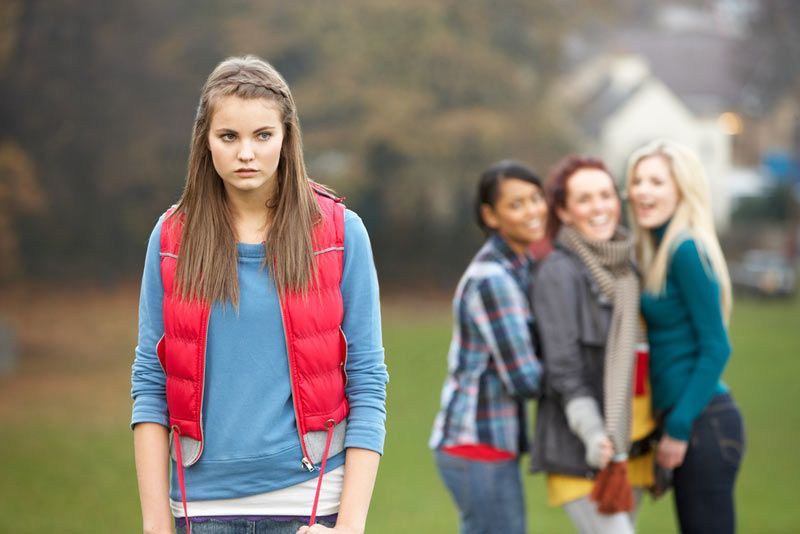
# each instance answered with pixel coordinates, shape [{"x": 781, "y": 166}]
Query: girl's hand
[
  {"x": 607, "y": 451},
  {"x": 320, "y": 529},
  {"x": 599, "y": 451},
  {"x": 671, "y": 452}
]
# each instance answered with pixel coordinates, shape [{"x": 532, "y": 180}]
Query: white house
[{"x": 619, "y": 105}]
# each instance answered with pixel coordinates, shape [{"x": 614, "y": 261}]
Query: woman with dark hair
[
  {"x": 259, "y": 344},
  {"x": 585, "y": 301},
  {"x": 480, "y": 430}
]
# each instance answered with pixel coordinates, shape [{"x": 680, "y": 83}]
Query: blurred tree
[
  {"x": 402, "y": 104},
  {"x": 19, "y": 195},
  {"x": 773, "y": 206},
  {"x": 773, "y": 47}
]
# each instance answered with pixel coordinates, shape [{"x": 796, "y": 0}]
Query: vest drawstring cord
[
  {"x": 330, "y": 424},
  {"x": 179, "y": 460}
]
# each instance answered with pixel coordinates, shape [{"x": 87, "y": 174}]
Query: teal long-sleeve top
[{"x": 688, "y": 339}]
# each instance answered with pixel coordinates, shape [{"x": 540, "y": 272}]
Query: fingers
[
  {"x": 314, "y": 529},
  {"x": 668, "y": 457},
  {"x": 663, "y": 456},
  {"x": 663, "y": 459},
  {"x": 668, "y": 461},
  {"x": 606, "y": 452},
  {"x": 671, "y": 452}
]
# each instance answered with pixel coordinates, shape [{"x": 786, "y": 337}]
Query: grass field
[{"x": 66, "y": 452}]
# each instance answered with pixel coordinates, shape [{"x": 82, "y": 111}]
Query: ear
[
  {"x": 564, "y": 216},
  {"x": 489, "y": 217}
]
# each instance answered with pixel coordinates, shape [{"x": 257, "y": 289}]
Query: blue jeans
[
  {"x": 488, "y": 495},
  {"x": 245, "y": 526},
  {"x": 704, "y": 482}
]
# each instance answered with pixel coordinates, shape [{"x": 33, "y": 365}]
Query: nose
[
  {"x": 640, "y": 189},
  {"x": 246, "y": 152}
]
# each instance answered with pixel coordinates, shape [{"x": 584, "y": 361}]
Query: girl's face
[
  {"x": 653, "y": 193},
  {"x": 592, "y": 205},
  {"x": 518, "y": 214},
  {"x": 245, "y": 139}
]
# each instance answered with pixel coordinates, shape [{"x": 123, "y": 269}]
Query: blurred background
[{"x": 402, "y": 104}]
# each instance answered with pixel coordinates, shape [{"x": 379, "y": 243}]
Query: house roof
[
  {"x": 701, "y": 68},
  {"x": 603, "y": 102}
]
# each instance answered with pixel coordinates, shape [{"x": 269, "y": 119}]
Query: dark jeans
[
  {"x": 245, "y": 526},
  {"x": 488, "y": 494},
  {"x": 704, "y": 482}
]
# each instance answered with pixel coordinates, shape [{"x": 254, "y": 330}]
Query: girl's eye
[
  {"x": 515, "y": 205},
  {"x": 227, "y": 137},
  {"x": 264, "y": 136}
]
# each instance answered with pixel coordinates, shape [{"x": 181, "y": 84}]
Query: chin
[
  {"x": 649, "y": 224},
  {"x": 605, "y": 236}
]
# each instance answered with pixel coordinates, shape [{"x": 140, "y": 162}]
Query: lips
[
  {"x": 246, "y": 171},
  {"x": 644, "y": 208}
]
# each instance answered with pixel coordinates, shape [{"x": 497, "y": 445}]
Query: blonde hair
[
  {"x": 207, "y": 263},
  {"x": 692, "y": 219}
]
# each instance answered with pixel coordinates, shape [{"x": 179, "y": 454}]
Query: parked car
[{"x": 764, "y": 273}]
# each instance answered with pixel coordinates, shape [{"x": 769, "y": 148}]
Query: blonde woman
[
  {"x": 686, "y": 301},
  {"x": 259, "y": 363}
]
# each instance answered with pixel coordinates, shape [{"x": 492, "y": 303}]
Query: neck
[
  {"x": 251, "y": 216},
  {"x": 518, "y": 248},
  {"x": 659, "y": 231}
]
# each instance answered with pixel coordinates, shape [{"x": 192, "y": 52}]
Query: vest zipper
[
  {"x": 306, "y": 462},
  {"x": 203, "y": 388},
  {"x": 346, "y": 353}
]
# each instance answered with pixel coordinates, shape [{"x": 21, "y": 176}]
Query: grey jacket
[{"x": 573, "y": 318}]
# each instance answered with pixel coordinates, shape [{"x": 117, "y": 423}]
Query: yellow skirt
[{"x": 562, "y": 489}]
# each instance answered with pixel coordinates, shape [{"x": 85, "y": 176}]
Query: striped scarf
[{"x": 609, "y": 263}]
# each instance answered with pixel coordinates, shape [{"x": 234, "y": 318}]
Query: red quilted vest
[{"x": 315, "y": 342}]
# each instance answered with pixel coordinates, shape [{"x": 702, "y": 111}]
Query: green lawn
[
  {"x": 66, "y": 447},
  {"x": 766, "y": 340}
]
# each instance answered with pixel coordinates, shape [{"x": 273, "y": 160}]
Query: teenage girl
[
  {"x": 686, "y": 302},
  {"x": 480, "y": 431},
  {"x": 259, "y": 366}
]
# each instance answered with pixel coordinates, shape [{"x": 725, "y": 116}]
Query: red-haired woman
[{"x": 585, "y": 300}]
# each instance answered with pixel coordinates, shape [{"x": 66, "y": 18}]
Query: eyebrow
[{"x": 231, "y": 130}]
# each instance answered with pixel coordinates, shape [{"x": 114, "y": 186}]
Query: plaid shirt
[{"x": 492, "y": 364}]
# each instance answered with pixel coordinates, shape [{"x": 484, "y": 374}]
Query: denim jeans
[
  {"x": 245, "y": 526},
  {"x": 704, "y": 482},
  {"x": 488, "y": 495}
]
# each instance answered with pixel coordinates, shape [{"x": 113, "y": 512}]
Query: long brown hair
[{"x": 207, "y": 263}]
